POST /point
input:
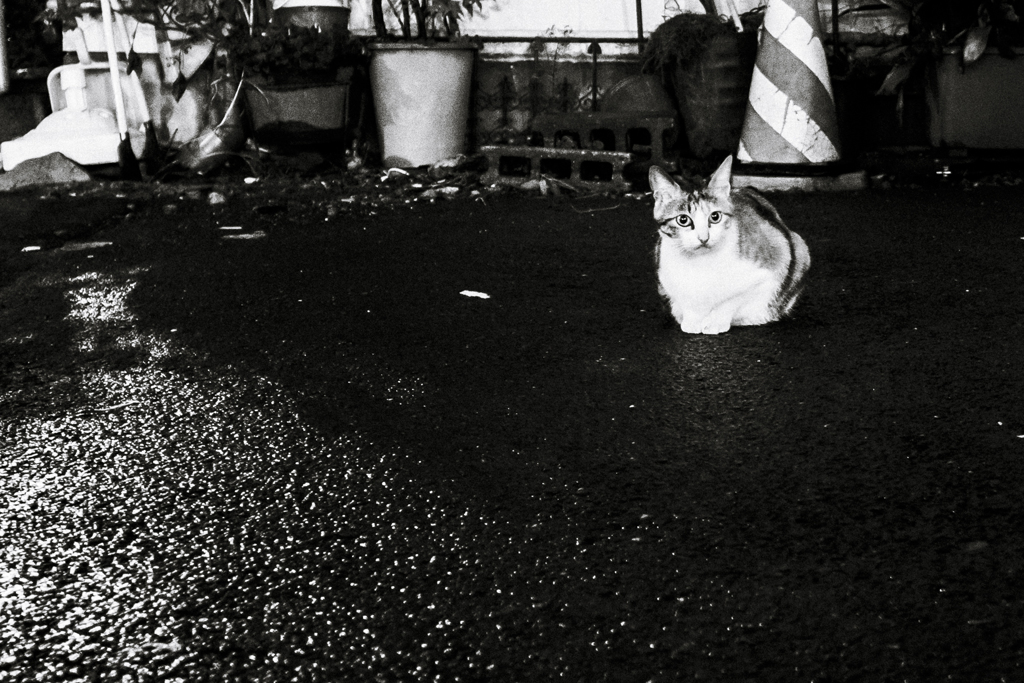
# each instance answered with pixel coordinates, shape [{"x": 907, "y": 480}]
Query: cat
[{"x": 724, "y": 256}]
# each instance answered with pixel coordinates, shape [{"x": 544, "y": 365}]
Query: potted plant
[
  {"x": 421, "y": 80},
  {"x": 293, "y": 78},
  {"x": 296, "y": 80},
  {"x": 858, "y": 64},
  {"x": 707, "y": 66},
  {"x": 964, "y": 52}
]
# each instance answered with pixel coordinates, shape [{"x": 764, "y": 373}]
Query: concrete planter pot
[
  {"x": 421, "y": 95},
  {"x": 979, "y": 107}
]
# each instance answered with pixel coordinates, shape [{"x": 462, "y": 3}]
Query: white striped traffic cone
[{"x": 791, "y": 115}]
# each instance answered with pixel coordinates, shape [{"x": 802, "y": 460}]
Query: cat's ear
[
  {"x": 662, "y": 183},
  {"x": 666, "y": 192},
  {"x": 720, "y": 184}
]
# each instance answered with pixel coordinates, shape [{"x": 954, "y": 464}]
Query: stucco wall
[
  {"x": 527, "y": 18},
  {"x": 598, "y": 19}
]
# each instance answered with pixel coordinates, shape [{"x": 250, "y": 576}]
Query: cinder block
[
  {"x": 610, "y": 132},
  {"x": 593, "y": 169}
]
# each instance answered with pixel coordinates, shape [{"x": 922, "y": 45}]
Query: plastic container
[
  {"x": 97, "y": 89},
  {"x": 421, "y": 94},
  {"x": 80, "y": 127}
]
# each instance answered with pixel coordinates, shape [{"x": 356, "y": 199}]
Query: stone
[{"x": 52, "y": 169}]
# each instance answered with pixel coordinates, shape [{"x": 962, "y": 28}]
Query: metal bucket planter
[
  {"x": 299, "y": 115},
  {"x": 421, "y": 94},
  {"x": 329, "y": 15},
  {"x": 712, "y": 93}
]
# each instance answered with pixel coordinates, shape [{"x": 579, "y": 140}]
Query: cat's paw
[
  {"x": 691, "y": 324},
  {"x": 715, "y": 326},
  {"x": 689, "y": 328}
]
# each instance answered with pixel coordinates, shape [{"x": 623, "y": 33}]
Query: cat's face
[{"x": 693, "y": 220}]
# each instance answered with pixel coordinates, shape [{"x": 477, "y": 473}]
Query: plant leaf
[
  {"x": 896, "y": 78},
  {"x": 134, "y": 61},
  {"x": 178, "y": 87},
  {"x": 904, "y": 9},
  {"x": 975, "y": 43}
]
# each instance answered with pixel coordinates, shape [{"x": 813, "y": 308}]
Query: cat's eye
[
  {"x": 684, "y": 222},
  {"x": 715, "y": 217}
]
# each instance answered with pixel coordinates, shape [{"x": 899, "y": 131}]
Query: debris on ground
[
  {"x": 393, "y": 173},
  {"x": 330, "y": 187},
  {"x": 460, "y": 163},
  {"x": 435, "y": 192},
  {"x": 255, "y": 235},
  {"x": 84, "y": 246}
]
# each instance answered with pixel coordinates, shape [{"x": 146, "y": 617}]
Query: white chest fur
[{"x": 711, "y": 289}]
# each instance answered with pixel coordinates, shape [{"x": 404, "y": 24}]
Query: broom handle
[
  {"x": 115, "y": 72},
  {"x": 734, "y": 15},
  {"x": 140, "y": 96},
  {"x": 122, "y": 28}
]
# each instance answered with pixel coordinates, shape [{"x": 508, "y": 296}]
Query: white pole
[
  {"x": 115, "y": 71},
  {"x": 5, "y": 81}
]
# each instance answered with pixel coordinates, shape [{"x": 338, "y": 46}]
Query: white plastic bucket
[{"x": 421, "y": 94}]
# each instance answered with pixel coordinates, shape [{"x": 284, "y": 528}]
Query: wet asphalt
[{"x": 284, "y": 438}]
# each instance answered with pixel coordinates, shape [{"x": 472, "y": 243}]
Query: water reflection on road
[{"x": 181, "y": 509}]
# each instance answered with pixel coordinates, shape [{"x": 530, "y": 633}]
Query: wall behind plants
[
  {"x": 605, "y": 19},
  {"x": 510, "y": 94},
  {"x": 529, "y": 18}
]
